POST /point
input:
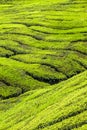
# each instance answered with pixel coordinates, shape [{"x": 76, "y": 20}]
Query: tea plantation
[{"x": 43, "y": 65}]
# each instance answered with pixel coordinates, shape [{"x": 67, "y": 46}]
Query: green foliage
[
  {"x": 63, "y": 106},
  {"x": 43, "y": 48}
]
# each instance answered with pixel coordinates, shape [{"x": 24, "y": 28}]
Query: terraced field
[{"x": 43, "y": 65}]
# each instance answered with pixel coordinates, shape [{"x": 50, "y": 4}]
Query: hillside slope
[
  {"x": 41, "y": 43},
  {"x": 43, "y": 65},
  {"x": 62, "y": 107}
]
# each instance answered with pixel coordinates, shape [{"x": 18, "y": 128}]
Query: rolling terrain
[{"x": 43, "y": 65}]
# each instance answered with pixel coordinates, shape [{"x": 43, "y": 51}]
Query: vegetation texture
[{"x": 43, "y": 65}]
